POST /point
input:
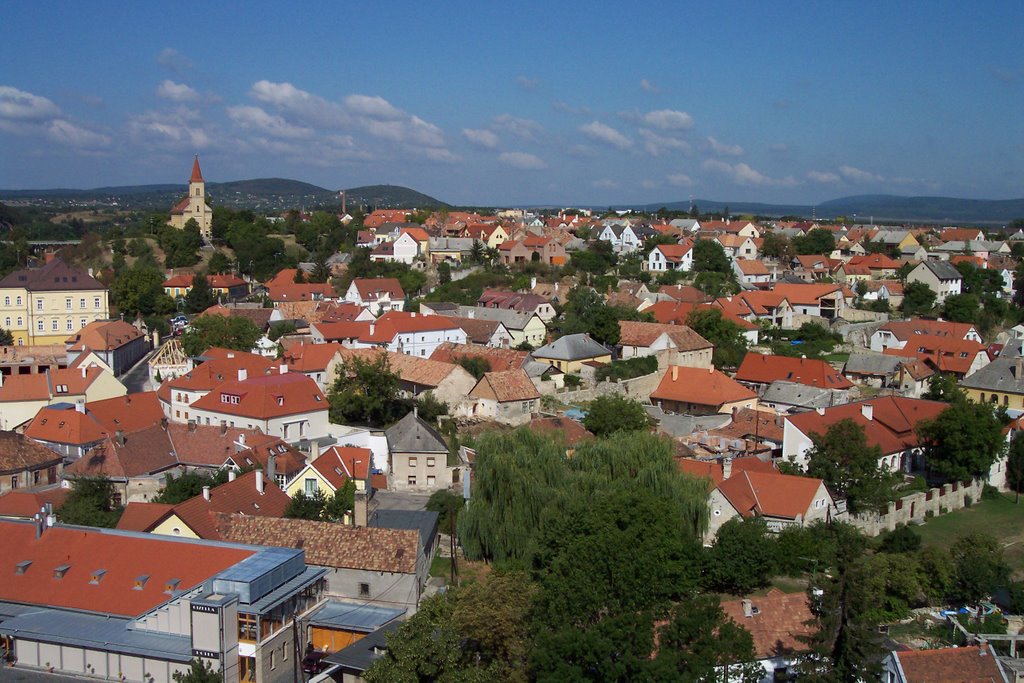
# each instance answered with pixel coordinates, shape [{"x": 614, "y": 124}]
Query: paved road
[
  {"x": 137, "y": 379},
  {"x": 22, "y": 675}
]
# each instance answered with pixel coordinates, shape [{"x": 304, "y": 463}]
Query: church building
[{"x": 194, "y": 205}]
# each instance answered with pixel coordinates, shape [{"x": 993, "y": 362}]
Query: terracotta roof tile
[
  {"x": 632, "y": 333},
  {"x": 700, "y": 387},
  {"x": 104, "y": 335},
  {"x": 892, "y": 427},
  {"x": 19, "y": 453},
  {"x": 498, "y": 359},
  {"x": 265, "y": 397},
  {"x": 780, "y": 622},
  {"x": 510, "y": 385},
  {"x": 966, "y": 664},
  {"x": 27, "y": 503},
  {"x": 759, "y": 368},
  {"x": 341, "y": 463},
  {"x": 770, "y": 494}
]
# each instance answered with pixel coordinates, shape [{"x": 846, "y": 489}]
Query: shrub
[{"x": 627, "y": 369}]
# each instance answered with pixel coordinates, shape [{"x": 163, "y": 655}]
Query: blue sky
[{"x": 528, "y": 102}]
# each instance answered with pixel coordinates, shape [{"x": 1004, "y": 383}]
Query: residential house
[
  {"x": 28, "y": 360},
  {"x": 411, "y": 333},
  {"x": 700, "y": 391},
  {"x": 790, "y": 397},
  {"x": 22, "y": 396},
  {"x": 482, "y": 332},
  {"x": 450, "y": 249},
  {"x": 940, "y": 276},
  {"x": 570, "y": 352},
  {"x": 756, "y": 306},
  {"x": 419, "y": 456},
  {"x": 447, "y": 382},
  {"x": 782, "y": 500},
  {"x": 751, "y": 271},
  {"x": 26, "y": 464},
  {"x": 671, "y": 344},
  {"x": 883, "y": 290},
  {"x": 115, "y": 342},
  {"x": 780, "y": 624},
  {"x": 26, "y": 504},
  {"x": 381, "y": 216},
  {"x": 533, "y": 248},
  {"x": 248, "y": 494},
  {"x": 524, "y": 327},
  {"x": 508, "y": 397},
  {"x": 673, "y": 313},
  {"x": 319, "y": 362},
  {"x": 329, "y": 472},
  {"x": 1001, "y": 382},
  {"x": 280, "y": 462},
  {"x": 964, "y": 663},
  {"x": 44, "y": 305},
  {"x": 738, "y": 246},
  {"x": 666, "y": 257},
  {"x": 945, "y": 354},
  {"x": 873, "y": 370},
  {"x": 759, "y": 370},
  {"x": 821, "y": 300},
  {"x": 812, "y": 267},
  {"x": 516, "y": 301},
  {"x": 889, "y": 422},
  {"x": 305, "y": 291},
  {"x": 209, "y": 371},
  {"x": 227, "y": 286},
  {"x": 897, "y": 334},
  {"x": 289, "y": 405},
  {"x": 498, "y": 359},
  {"x": 104, "y": 604}
]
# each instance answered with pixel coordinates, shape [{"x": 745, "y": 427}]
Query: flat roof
[{"x": 354, "y": 616}]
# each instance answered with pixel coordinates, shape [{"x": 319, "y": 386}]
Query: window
[
  {"x": 7, "y": 322},
  {"x": 526, "y": 406},
  {"x": 364, "y": 590},
  {"x": 430, "y": 462},
  {"x": 96, "y": 302},
  {"x": 35, "y": 478},
  {"x": 54, "y": 325},
  {"x": 280, "y": 480},
  {"x": 81, "y": 322},
  {"x": 413, "y": 462},
  {"x": 412, "y": 480},
  {"x": 430, "y": 480},
  {"x": 247, "y": 627},
  {"x": 309, "y": 486},
  {"x": 19, "y": 321},
  {"x": 67, "y": 304},
  {"x": 7, "y": 301},
  {"x": 70, "y": 325},
  {"x": 18, "y": 301},
  {"x": 246, "y": 668},
  {"x": 39, "y": 304},
  {"x": 14, "y": 481}
]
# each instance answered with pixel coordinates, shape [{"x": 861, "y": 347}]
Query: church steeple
[{"x": 197, "y": 175}]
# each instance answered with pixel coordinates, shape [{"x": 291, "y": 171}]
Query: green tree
[
  {"x": 727, "y": 336},
  {"x": 226, "y": 332},
  {"x": 816, "y": 241},
  {"x": 91, "y": 503},
  {"x": 444, "y": 273},
  {"x": 742, "y": 558},
  {"x": 198, "y": 672},
  {"x": 943, "y": 387},
  {"x": 139, "y": 289},
  {"x": 448, "y": 505},
  {"x": 586, "y": 311},
  {"x": 364, "y": 392},
  {"x": 614, "y": 413},
  {"x": 961, "y": 308},
  {"x": 850, "y": 467},
  {"x": 901, "y": 540},
  {"x": 200, "y": 296},
  {"x": 6, "y": 338},
  {"x": 709, "y": 256},
  {"x": 597, "y": 259},
  {"x": 963, "y": 441},
  {"x": 188, "y": 485},
  {"x": 918, "y": 299},
  {"x": 776, "y": 246},
  {"x": 319, "y": 506},
  {"x": 475, "y": 365},
  {"x": 280, "y": 329},
  {"x": 1015, "y": 465},
  {"x": 321, "y": 271},
  {"x": 979, "y": 567},
  {"x": 219, "y": 264}
]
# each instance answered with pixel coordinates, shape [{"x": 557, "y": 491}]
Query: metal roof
[
  {"x": 354, "y": 616},
  {"x": 359, "y": 656}
]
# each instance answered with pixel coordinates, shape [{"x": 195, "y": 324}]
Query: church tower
[{"x": 193, "y": 206}]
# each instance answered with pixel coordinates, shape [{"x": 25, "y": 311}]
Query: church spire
[{"x": 197, "y": 175}]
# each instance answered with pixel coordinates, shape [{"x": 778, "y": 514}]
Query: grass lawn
[
  {"x": 841, "y": 357},
  {"x": 469, "y": 571},
  {"x": 999, "y": 517}
]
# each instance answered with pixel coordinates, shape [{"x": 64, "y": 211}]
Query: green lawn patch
[{"x": 998, "y": 516}]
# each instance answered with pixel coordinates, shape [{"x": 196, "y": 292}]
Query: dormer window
[
  {"x": 22, "y": 566},
  {"x": 171, "y": 586},
  {"x": 97, "y": 576},
  {"x": 60, "y": 570},
  {"x": 140, "y": 582},
  {"x": 280, "y": 400}
]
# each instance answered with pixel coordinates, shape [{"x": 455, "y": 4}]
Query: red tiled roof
[
  {"x": 892, "y": 427},
  {"x": 44, "y": 386},
  {"x": 770, "y": 494},
  {"x": 27, "y": 503},
  {"x": 713, "y": 470},
  {"x": 300, "y": 291},
  {"x": 751, "y": 266},
  {"x": 570, "y": 431},
  {"x": 103, "y": 335},
  {"x": 19, "y": 453},
  {"x": 142, "y": 516},
  {"x": 239, "y": 496},
  {"x": 946, "y": 354},
  {"x": 498, "y": 359},
  {"x": 371, "y": 289},
  {"x": 684, "y": 293},
  {"x": 341, "y": 463},
  {"x": 780, "y": 623},
  {"x": 906, "y": 329},
  {"x": 700, "y": 387},
  {"x": 809, "y": 294},
  {"x": 674, "y": 253},
  {"x": 223, "y": 365},
  {"x": 965, "y": 664},
  {"x": 64, "y": 425},
  {"x": 197, "y": 175},
  {"x": 632, "y": 333},
  {"x": 304, "y": 357},
  {"x": 265, "y": 397},
  {"x": 124, "y": 558},
  {"x": 758, "y": 368},
  {"x": 510, "y": 385}
]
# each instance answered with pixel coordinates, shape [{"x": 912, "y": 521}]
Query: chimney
[
  {"x": 372, "y": 327},
  {"x": 80, "y": 407},
  {"x": 259, "y": 482},
  {"x": 735, "y": 412},
  {"x": 40, "y": 524},
  {"x": 314, "y": 451},
  {"x": 243, "y": 374},
  {"x": 471, "y": 314},
  {"x": 206, "y": 493},
  {"x": 191, "y": 426},
  {"x": 361, "y": 508},
  {"x": 748, "y": 608},
  {"x": 675, "y": 373},
  {"x": 533, "y": 283},
  {"x": 163, "y": 423},
  {"x": 272, "y": 468},
  {"x": 232, "y": 474},
  {"x": 819, "y": 411},
  {"x": 223, "y": 427},
  {"x": 84, "y": 370},
  {"x": 868, "y": 411},
  {"x": 230, "y": 354},
  {"x": 1018, "y": 367},
  {"x": 283, "y": 369},
  {"x": 119, "y": 437},
  {"x": 726, "y": 467}
]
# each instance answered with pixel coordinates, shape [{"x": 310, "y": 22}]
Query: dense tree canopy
[
  {"x": 850, "y": 467},
  {"x": 614, "y": 413},
  {"x": 222, "y": 331},
  {"x": 963, "y": 441},
  {"x": 918, "y": 299},
  {"x": 709, "y": 256},
  {"x": 728, "y": 337},
  {"x": 200, "y": 296},
  {"x": 90, "y": 503},
  {"x": 816, "y": 241},
  {"x": 364, "y": 392}
]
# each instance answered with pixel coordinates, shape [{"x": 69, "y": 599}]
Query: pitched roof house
[
  {"x": 25, "y": 464},
  {"x": 700, "y": 391},
  {"x": 672, "y": 344},
  {"x": 964, "y": 664},
  {"x": 509, "y": 397},
  {"x": 761, "y": 370}
]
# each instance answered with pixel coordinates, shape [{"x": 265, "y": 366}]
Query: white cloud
[
  {"x": 522, "y": 160},
  {"x": 823, "y": 176},
  {"x": 724, "y": 149},
  {"x": 743, "y": 174},
  {"x": 599, "y": 132},
  {"x": 527, "y": 83},
  {"x": 19, "y": 105},
  {"x": 668, "y": 119},
  {"x": 647, "y": 86},
  {"x": 656, "y": 144},
  {"x": 856, "y": 175},
  {"x": 526, "y": 129},
  {"x": 605, "y": 184},
  {"x": 306, "y": 107},
  {"x": 171, "y": 59},
  {"x": 254, "y": 118},
  {"x": 373, "y": 107},
  {"x": 481, "y": 137},
  {"x": 566, "y": 108},
  {"x": 176, "y": 92},
  {"x": 23, "y": 113},
  {"x": 178, "y": 128},
  {"x": 650, "y": 184},
  {"x": 679, "y": 180}
]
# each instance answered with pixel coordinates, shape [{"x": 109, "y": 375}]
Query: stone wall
[
  {"x": 638, "y": 388},
  {"x": 917, "y": 506}
]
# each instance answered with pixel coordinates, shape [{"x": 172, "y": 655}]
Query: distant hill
[
  {"x": 264, "y": 194},
  {"x": 390, "y": 197},
  {"x": 879, "y": 208}
]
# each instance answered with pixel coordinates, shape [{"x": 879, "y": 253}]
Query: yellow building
[
  {"x": 46, "y": 305},
  {"x": 194, "y": 205},
  {"x": 571, "y": 352}
]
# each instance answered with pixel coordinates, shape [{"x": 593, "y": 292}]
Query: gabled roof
[
  {"x": 338, "y": 464},
  {"x": 892, "y": 427},
  {"x": 633, "y": 333},
  {"x": 809, "y": 294},
  {"x": 770, "y": 494},
  {"x": 572, "y": 347},
  {"x": 751, "y": 266},
  {"x": 265, "y": 397},
  {"x": 327, "y": 544},
  {"x": 55, "y": 276},
  {"x": 570, "y": 431},
  {"x": 372, "y": 289},
  {"x": 498, "y": 359},
  {"x": 104, "y": 335},
  {"x": 700, "y": 387},
  {"x": 239, "y": 496},
  {"x": 307, "y": 358},
  {"x": 300, "y": 291},
  {"x": 125, "y": 558},
  {"x": 413, "y": 435},
  {"x": 46, "y": 385},
  {"x": 713, "y": 469},
  {"x": 684, "y": 293},
  {"x": 965, "y": 664},
  {"x": 19, "y": 453},
  {"x": 222, "y": 366},
  {"x": 26, "y": 504},
  {"x": 510, "y": 385},
  {"x": 905, "y": 330},
  {"x": 674, "y": 253},
  {"x": 780, "y": 623},
  {"x": 943, "y": 270},
  {"x": 758, "y": 368},
  {"x": 945, "y": 354},
  {"x": 478, "y": 330}
]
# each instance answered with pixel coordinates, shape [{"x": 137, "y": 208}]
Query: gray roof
[
  {"x": 683, "y": 425},
  {"x": 354, "y": 616},
  {"x": 970, "y": 246},
  {"x": 872, "y": 364},
  {"x": 944, "y": 270},
  {"x": 413, "y": 435},
  {"x": 798, "y": 395},
  {"x": 572, "y": 347},
  {"x": 451, "y": 243},
  {"x": 684, "y": 223},
  {"x": 423, "y": 521},
  {"x": 357, "y": 657},
  {"x": 512, "y": 320},
  {"x": 999, "y": 375},
  {"x": 55, "y": 276}
]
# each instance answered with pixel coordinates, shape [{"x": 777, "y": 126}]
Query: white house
[
  {"x": 941, "y": 277},
  {"x": 379, "y": 295},
  {"x": 665, "y": 257}
]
